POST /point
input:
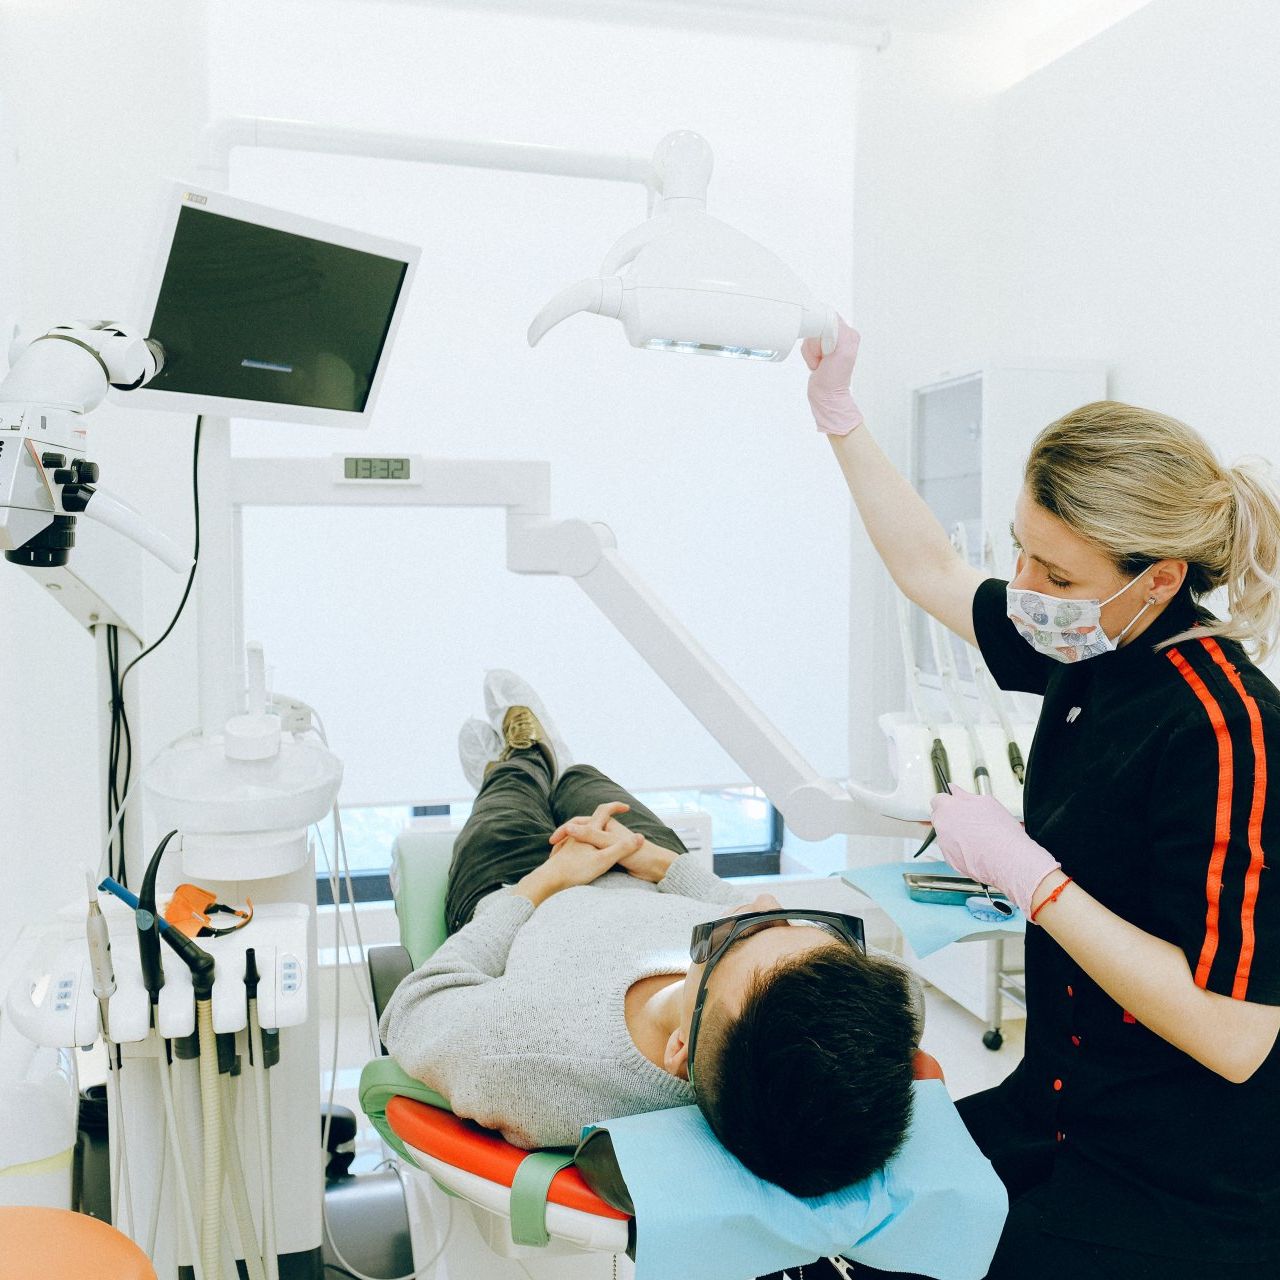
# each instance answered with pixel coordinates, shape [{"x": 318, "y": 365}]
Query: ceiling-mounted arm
[{"x": 682, "y": 166}]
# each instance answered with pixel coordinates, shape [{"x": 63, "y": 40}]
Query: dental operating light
[{"x": 685, "y": 281}]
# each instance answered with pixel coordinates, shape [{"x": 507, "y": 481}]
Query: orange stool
[{"x": 39, "y": 1243}]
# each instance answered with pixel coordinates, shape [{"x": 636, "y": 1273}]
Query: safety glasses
[{"x": 713, "y": 938}]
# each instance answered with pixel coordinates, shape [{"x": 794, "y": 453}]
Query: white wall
[
  {"x": 709, "y": 472},
  {"x": 710, "y": 475},
  {"x": 100, "y": 101},
  {"x": 1117, "y": 205}
]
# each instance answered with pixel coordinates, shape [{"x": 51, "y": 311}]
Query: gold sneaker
[{"x": 522, "y": 730}]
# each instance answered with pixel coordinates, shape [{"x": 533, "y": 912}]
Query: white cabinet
[{"x": 971, "y": 433}]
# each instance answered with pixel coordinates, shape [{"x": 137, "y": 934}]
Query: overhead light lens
[{"x": 710, "y": 349}]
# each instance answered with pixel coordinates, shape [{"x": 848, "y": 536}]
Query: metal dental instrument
[
  {"x": 991, "y": 693},
  {"x": 938, "y": 752},
  {"x": 987, "y": 688},
  {"x": 933, "y": 834},
  {"x": 945, "y": 660}
]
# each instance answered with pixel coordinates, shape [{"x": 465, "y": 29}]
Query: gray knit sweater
[{"x": 518, "y": 1019}]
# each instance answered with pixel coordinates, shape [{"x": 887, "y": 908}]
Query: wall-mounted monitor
[{"x": 266, "y": 314}]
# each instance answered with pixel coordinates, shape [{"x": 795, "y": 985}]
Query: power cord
[
  {"x": 121, "y": 739},
  {"x": 338, "y": 868}
]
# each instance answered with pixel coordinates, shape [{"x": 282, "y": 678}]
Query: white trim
[
  {"x": 572, "y": 1226},
  {"x": 820, "y": 20}
]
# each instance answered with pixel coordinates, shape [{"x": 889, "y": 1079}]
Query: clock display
[{"x": 376, "y": 468}]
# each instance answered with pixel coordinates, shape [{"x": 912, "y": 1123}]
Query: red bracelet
[{"x": 1053, "y": 897}]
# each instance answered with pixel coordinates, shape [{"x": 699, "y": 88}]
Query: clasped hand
[{"x": 604, "y": 833}]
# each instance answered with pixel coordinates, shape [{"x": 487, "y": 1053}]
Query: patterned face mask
[{"x": 1066, "y": 630}]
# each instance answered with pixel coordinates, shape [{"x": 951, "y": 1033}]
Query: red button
[
  {"x": 1061, "y": 1136},
  {"x": 1057, "y": 1086},
  {"x": 1070, "y": 991},
  {"x": 1075, "y": 1040}
]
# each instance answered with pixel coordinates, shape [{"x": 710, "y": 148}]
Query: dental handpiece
[
  {"x": 104, "y": 977},
  {"x": 104, "y": 974},
  {"x": 196, "y": 958}
]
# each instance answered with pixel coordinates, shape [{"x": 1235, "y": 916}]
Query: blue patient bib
[{"x": 936, "y": 1208}]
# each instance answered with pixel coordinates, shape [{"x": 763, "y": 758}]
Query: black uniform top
[{"x": 1154, "y": 778}]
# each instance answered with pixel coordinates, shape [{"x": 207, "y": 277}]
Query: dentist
[{"x": 1140, "y": 1135}]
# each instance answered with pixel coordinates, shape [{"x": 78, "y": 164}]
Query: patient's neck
[{"x": 652, "y": 1007}]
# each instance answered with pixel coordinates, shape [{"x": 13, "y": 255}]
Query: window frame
[{"x": 374, "y": 885}]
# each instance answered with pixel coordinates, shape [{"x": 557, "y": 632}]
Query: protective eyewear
[{"x": 712, "y": 939}]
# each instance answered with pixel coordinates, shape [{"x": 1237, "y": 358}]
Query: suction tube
[
  {"x": 187, "y": 1215},
  {"x": 239, "y": 1193},
  {"x": 211, "y": 1133}
]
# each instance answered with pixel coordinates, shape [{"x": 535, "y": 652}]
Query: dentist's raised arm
[{"x": 912, "y": 543}]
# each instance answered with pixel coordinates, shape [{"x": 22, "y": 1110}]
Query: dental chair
[{"x": 523, "y": 1205}]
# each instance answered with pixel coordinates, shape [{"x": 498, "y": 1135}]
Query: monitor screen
[{"x": 251, "y": 313}]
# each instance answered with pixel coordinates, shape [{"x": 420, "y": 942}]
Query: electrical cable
[
  {"x": 104, "y": 860},
  {"x": 195, "y": 555},
  {"x": 262, "y": 1105},
  {"x": 339, "y": 940},
  {"x": 243, "y": 1214},
  {"x": 120, "y": 1165},
  {"x": 120, "y": 733},
  {"x": 360, "y": 969},
  {"x": 154, "y": 1226}
]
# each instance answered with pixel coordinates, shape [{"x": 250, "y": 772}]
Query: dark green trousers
[{"x": 518, "y": 807}]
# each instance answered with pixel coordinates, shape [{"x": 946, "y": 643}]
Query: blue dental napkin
[
  {"x": 936, "y": 1208},
  {"x": 928, "y": 926}
]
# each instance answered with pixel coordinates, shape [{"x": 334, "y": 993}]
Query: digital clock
[{"x": 377, "y": 469}]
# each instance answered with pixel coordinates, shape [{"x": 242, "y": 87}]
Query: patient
[{"x": 565, "y": 994}]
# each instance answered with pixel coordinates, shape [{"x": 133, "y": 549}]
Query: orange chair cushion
[
  {"x": 926, "y": 1067},
  {"x": 465, "y": 1145},
  {"x": 38, "y": 1243}
]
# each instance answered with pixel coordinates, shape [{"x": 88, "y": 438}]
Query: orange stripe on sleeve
[
  {"x": 1252, "y": 877},
  {"x": 1222, "y": 823}
]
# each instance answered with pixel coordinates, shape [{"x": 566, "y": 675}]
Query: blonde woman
[{"x": 1140, "y": 1135}]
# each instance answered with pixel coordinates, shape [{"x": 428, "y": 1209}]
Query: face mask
[{"x": 1065, "y": 630}]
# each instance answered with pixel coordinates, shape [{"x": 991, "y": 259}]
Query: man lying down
[{"x": 565, "y": 995}]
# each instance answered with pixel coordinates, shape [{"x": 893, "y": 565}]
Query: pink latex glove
[
  {"x": 829, "y": 397},
  {"x": 980, "y": 837}
]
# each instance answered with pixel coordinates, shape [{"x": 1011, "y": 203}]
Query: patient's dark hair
[{"x": 810, "y": 1085}]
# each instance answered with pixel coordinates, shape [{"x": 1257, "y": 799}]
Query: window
[{"x": 746, "y": 834}]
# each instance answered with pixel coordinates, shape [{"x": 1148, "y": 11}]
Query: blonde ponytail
[
  {"x": 1144, "y": 487},
  {"x": 1253, "y": 575}
]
